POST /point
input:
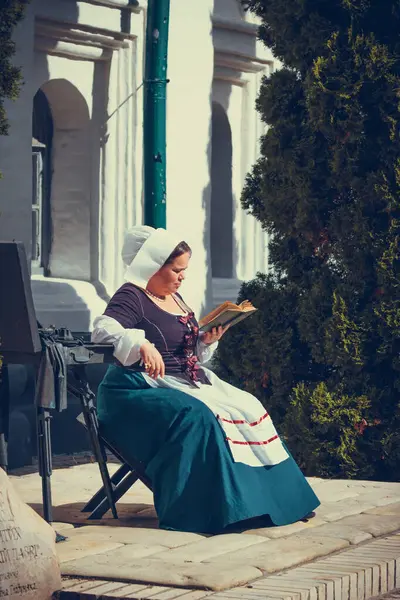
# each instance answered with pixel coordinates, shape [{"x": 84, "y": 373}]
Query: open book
[{"x": 225, "y": 314}]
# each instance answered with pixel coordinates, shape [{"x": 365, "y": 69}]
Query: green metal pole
[{"x": 154, "y": 118}]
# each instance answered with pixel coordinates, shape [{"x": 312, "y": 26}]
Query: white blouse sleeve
[
  {"x": 205, "y": 351},
  {"x": 127, "y": 342}
]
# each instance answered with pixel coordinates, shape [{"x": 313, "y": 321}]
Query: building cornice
[
  {"x": 239, "y": 61},
  {"x": 124, "y": 4},
  {"x": 236, "y": 26},
  {"x": 69, "y": 50},
  {"x": 77, "y": 34},
  {"x": 76, "y": 41}
]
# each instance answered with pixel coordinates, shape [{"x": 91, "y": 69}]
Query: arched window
[
  {"x": 42, "y": 140},
  {"x": 71, "y": 168},
  {"x": 221, "y": 195}
]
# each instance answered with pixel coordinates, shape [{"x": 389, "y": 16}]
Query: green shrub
[{"x": 323, "y": 353}]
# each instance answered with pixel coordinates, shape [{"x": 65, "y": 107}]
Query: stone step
[{"x": 352, "y": 574}]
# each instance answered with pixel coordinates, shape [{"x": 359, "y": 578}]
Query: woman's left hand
[{"x": 216, "y": 333}]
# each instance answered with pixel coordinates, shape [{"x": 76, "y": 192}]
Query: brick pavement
[{"x": 349, "y": 551}]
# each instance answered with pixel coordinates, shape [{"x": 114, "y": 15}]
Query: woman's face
[{"x": 169, "y": 278}]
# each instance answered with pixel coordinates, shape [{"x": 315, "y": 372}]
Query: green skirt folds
[{"x": 197, "y": 485}]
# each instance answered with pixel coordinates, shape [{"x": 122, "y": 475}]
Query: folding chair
[{"x": 122, "y": 480}]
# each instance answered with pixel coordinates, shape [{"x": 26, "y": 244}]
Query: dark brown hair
[{"x": 180, "y": 249}]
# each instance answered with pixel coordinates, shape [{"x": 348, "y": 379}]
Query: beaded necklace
[{"x": 159, "y": 298}]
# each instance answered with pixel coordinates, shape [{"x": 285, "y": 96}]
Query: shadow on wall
[
  {"x": 58, "y": 303},
  {"x": 218, "y": 202}
]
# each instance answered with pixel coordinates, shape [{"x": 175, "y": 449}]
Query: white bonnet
[
  {"x": 145, "y": 251},
  {"x": 134, "y": 240}
]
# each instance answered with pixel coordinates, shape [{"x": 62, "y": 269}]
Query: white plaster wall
[
  {"x": 15, "y": 149},
  {"x": 190, "y": 70},
  {"x": 112, "y": 176},
  {"x": 121, "y": 189}
]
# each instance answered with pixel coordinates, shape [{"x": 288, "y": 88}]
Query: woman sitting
[{"x": 210, "y": 450}]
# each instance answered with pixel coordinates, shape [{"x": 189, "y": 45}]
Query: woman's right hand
[{"x": 152, "y": 360}]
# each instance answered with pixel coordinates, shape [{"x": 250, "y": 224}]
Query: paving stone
[
  {"x": 276, "y": 555},
  {"x": 287, "y": 584},
  {"x": 251, "y": 594},
  {"x": 127, "y": 590},
  {"x": 119, "y": 566},
  {"x": 349, "y": 579},
  {"x": 70, "y": 550},
  {"x": 209, "y": 548},
  {"x": 344, "y": 580},
  {"x": 397, "y": 573},
  {"x": 378, "y": 569},
  {"x": 138, "y": 535},
  {"x": 286, "y": 530},
  {"x": 390, "y": 509},
  {"x": 165, "y": 593},
  {"x": 195, "y": 595},
  {"x": 333, "y": 511},
  {"x": 325, "y": 586},
  {"x": 62, "y": 526},
  {"x": 72, "y": 513},
  {"x": 379, "y": 497},
  {"x": 376, "y": 525},
  {"x": 354, "y": 535},
  {"x": 327, "y": 494},
  {"x": 84, "y": 585},
  {"x": 265, "y": 597}
]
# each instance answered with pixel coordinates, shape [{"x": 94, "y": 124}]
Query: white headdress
[{"x": 145, "y": 250}]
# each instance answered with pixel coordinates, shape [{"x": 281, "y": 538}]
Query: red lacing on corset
[{"x": 189, "y": 346}]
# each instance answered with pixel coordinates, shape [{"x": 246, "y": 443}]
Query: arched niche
[
  {"x": 221, "y": 194},
  {"x": 42, "y": 144},
  {"x": 70, "y": 196}
]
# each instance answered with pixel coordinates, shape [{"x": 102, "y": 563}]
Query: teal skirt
[{"x": 196, "y": 483}]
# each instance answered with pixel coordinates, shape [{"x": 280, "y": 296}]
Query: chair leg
[
  {"x": 118, "y": 492},
  {"x": 100, "y": 494},
  {"x": 44, "y": 459},
  {"x": 136, "y": 466},
  {"x": 89, "y": 412}
]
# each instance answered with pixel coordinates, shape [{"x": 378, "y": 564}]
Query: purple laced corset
[{"x": 174, "y": 336}]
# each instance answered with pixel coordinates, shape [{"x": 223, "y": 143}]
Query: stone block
[
  {"x": 251, "y": 594},
  {"x": 136, "y": 535},
  {"x": 333, "y": 511},
  {"x": 325, "y": 585},
  {"x": 389, "y": 509},
  {"x": 376, "y": 565},
  {"x": 354, "y": 535},
  {"x": 71, "y": 549},
  {"x": 62, "y": 526},
  {"x": 210, "y": 548},
  {"x": 379, "y": 497},
  {"x": 276, "y": 555},
  {"x": 119, "y": 566},
  {"x": 376, "y": 525},
  {"x": 288, "y": 584},
  {"x": 286, "y": 530},
  {"x": 344, "y": 579}
]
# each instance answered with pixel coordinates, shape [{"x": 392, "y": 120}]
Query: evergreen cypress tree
[
  {"x": 323, "y": 352},
  {"x": 11, "y": 12}
]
